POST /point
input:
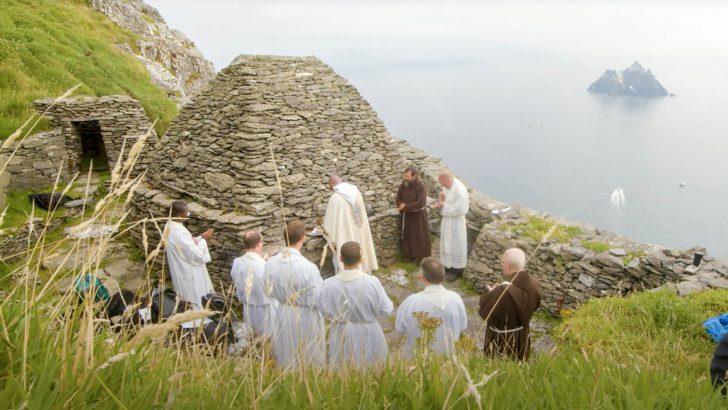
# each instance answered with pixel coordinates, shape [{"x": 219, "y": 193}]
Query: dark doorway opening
[{"x": 93, "y": 149}]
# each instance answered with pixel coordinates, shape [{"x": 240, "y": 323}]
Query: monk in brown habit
[
  {"x": 411, "y": 202},
  {"x": 508, "y": 317}
]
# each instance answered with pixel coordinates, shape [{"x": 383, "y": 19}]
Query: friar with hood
[
  {"x": 346, "y": 220},
  {"x": 508, "y": 307}
]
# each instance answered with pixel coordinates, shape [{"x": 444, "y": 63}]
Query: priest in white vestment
[
  {"x": 454, "y": 203},
  {"x": 346, "y": 220},
  {"x": 437, "y": 302},
  {"x": 259, "y": 307},
  {"x": 299, "y": 335},
  {"x": 187, "y": 257},
  {"x": 353, "y": 301}
]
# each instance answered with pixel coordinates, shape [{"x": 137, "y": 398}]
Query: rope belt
[
  {"x": 506, "y": 330},
  {"x": 404, "y": 217},
  {"x": 347, "y": 322}
]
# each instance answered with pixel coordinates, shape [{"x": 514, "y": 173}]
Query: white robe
[
  {"x": 438, "y": 302},
  {"x": 186, "y": 258},
  {"x": 353, "y": 301},
  {"x": 453, "y": 229},
  {"x": 345, "y": 208},
  {"x": 299, "y": 335},
  {"x": 259, "y": 308}
]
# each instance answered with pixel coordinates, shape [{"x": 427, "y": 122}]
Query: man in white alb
[
  {"x": 299, "y": 334},
  {"x": 354, "y": 301},
  {"x": 437, "y": 302},
  {"x": 454, "y": 203},
  {"x": 346, "y": 220},
  {"x": 259, "y": 308},
  {"x": 186, "y": 257}
]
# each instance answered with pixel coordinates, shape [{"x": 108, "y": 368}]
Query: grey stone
[
  {"x": 78, "y": 202},
  {"x": 609, "y": 260},
  {"x": 720, "y": 283},
  {"x": 587, "y": 280},
  {"x": 686, "y": 288},
  {"x": 618, "y": 252},
  {"x": 219, "y": 181}
]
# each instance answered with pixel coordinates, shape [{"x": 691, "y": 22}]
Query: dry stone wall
[
  {"x": 578, "y": 262},
  {"x": 38, "y": 160}
]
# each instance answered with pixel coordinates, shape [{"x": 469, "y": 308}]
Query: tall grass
[
  {"x": 645, "y": 351},
  {"x": 47, "y": 46}
]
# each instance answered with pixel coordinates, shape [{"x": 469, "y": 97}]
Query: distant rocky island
[{"x": 635, "y": 81}]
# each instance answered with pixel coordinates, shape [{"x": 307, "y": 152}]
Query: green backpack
[{"x": 87, "y": 284}]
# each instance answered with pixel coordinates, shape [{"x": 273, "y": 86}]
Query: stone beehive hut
[
  {"x": 96, "y": 127},
  {"x": 82, "y": 129},
  {"x": 261, "y": 117}
]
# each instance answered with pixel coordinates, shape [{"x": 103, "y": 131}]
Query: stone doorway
[{"x": 93, "y": 149}]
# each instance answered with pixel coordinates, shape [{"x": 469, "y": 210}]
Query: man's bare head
[
  {"x": 514, "y": 260},
  {"x": 252, "y": 240},
  {"x": 445, "y": 178},
  {"x": 432, "y": 270},
  {"x": 334, "y": 180},
  {"x": 351, "y": 254},
  {"x": 296, "y": 232}
]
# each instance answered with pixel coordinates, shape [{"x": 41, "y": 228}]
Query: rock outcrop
[
  {"x": 173, "y": 61},
  {"x": 635, "y": 81}
]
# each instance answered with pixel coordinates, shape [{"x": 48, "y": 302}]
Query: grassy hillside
[{"x": 48, "y": 46}]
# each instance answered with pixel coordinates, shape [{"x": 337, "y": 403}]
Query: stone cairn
[{"x": 217, "y": 156}]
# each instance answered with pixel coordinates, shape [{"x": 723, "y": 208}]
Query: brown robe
[
  {"x": 413, "y": 222},
  {"x": 514, "y": 310}
]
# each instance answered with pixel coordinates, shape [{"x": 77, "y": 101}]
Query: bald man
[
  {"x": 453, "y": 203},
  {"x": 346, "y": 220},
  {"x": 508, "y": 307}
]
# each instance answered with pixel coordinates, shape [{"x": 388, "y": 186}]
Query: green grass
[
  {"x": 633, "y": 254},
  {"x": 48, "y": 46},
  {"x": 609, "y": 360},
  {"x": 20, "y": 206},
  {"x": 595, "y": 246},
  {"x": 536, "y": 228},
  {"x": 654, "y": 331}
]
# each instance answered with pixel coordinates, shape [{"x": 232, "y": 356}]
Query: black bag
[
  {"x": 217, "y": 303},
  {"x": 48, "y": 200},
  {"x": 215, "y": 333},
  {"x": 164, "y": 304}
]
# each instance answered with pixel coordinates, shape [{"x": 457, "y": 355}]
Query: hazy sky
[{"x": 223, "y": 29}]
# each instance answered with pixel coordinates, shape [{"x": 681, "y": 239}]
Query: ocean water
[{"x": 498, "y": 90}]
